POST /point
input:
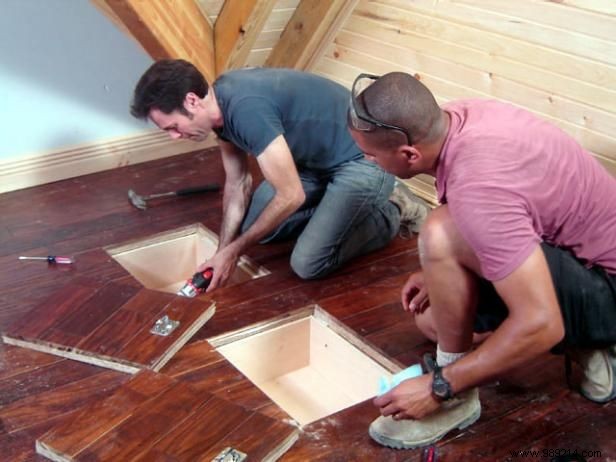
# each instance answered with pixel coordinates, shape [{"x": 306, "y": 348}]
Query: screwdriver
[{"x": 51, "y": 259}]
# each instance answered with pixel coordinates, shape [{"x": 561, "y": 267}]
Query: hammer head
[{"x": 136, "y": 200}]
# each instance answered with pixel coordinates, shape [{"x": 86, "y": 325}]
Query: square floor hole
[
  {"x": 166, "y": 260},
  {"x": 308, "y": 363}
]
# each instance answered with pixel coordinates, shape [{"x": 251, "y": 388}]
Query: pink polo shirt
[{"x": 512, "y": 180}]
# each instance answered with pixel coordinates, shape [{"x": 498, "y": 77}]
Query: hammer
[{"x": 141, "y": 201}]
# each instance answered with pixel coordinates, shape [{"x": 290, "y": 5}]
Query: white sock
[{"x": 443, "y": 358}]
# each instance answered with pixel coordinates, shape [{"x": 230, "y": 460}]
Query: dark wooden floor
[{"x": 531, "y": 409}]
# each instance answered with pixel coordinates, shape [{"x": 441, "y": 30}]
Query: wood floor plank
[
  {"x": 275, "y": 412},
  {"x": 260, "y": 437},
  {"x": 380, "y": 317},
  {"x": 191, "y": 357},
  {"x": 321, "y": 440},
  {"x": 46, "y": 314},
  {"x": 124, "y": 325},
  {"x": 37, "y": 408},
  {"x": 44, "y": 378},
  {"x": 19, "y": 446},
  {"x": 147, "y": 425},
  {"x": 591, "y": 435},
  {"x": 72, "y": 437},
  {"x": 213, "y": 378},
  {"x": 114, "y": 333},
  {"x": 30, "y": 223},
  {"x": 91, "y": 314},
  {"x": 398, "y": 338},
  {"x": 375, "y": 294},
  {"x": 146, "y": 348},
  {"x": 154, "y": 417},
  {"x": 196, "y": 363},
  {"x": 149, "y": 302},
  {"x": 204, "y": 429},
  {"x": 15, "y": 360},
  {"x": 246, "y": 394}
]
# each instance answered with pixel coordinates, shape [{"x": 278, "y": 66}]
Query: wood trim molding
[
  {"x": 164, "y": 30},
  {"x": 61, "y": 164},
  {"x": 236, "y": 30},
  {"x": 311, "y": 28},
  {"x": 423, "y": 190}
]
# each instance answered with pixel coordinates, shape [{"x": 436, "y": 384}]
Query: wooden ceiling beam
[
  {"x": 236, "y": 30},
  {"x": 311, "y": 28},
  {"x": 167, "y": 30}
]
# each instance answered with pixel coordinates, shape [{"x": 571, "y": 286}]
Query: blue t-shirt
[{"x": 309, "y": 111}]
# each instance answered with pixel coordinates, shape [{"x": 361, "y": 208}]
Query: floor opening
[
  {"x": 166, "y": 260},
  {"x": 308, "y": 363}
]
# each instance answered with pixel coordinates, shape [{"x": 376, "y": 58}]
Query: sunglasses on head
[{"x": 359, "y": 118}]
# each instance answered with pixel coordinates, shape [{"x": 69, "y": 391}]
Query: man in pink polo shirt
[{"x": 521, "y": 253}]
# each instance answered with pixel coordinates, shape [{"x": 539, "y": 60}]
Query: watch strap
[{"x": 441, "y": 388}]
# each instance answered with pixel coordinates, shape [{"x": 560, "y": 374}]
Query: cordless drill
[{"x": 197, "y": 284}]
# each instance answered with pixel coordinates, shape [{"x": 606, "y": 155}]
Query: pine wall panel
[
  {"x": 267, "y": 39},
  {"x": 555, "y": 58}
]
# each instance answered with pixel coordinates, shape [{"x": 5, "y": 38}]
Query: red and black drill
[{"x": 197, "y": 284}]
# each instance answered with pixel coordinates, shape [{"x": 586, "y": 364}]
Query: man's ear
[
  {"x": 191, "y": 101},
  {"x": 410, "y": 153}
]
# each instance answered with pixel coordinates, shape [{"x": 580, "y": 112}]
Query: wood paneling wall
[
  {"x": 555, "y": 58},
  {"x": 267, "y": 39}
]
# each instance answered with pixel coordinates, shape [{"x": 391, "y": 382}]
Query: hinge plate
[
  {"x": 164, "y": 326},
  {"x": 230, "y": 455}
]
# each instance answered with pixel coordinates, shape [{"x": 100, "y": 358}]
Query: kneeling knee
[
  {"x": 306, "y": 267},
  {"x": 425, "y": 324},
  {"x": 437, "y": 235}
]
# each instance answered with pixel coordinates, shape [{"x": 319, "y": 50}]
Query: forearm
[
  {"x": 278, "y": 209},
  {"x": 514, "y": 343},
  {"x": 236, "y": 199}
]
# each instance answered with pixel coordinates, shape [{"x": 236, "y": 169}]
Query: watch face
[
  {"x": 440, "y": 386},
  {"x": 440, "y": 389}
]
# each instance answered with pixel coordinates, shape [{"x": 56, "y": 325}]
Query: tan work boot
[
  {"x": 459, "y": 412},
  {"x": 413, "y": 210},
  {"x": 599, "y": 384}
]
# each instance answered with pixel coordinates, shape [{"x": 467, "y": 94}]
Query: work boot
[
  {"x": 459, "y": 412},
  {"x": 413, "y": 210},
  {"x": 599, "y": 383}
]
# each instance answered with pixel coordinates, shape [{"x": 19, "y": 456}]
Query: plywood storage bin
[
  {"x": 166, "y": 260},
  {"x": 307, "y": 362}
]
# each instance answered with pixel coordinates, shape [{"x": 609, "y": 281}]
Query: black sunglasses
[{"x": 358, "y": 116}]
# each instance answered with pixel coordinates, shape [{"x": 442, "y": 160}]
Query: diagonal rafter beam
[
  {"x": 167, "y": 30},
  {"x": 309, "y": 31},
  {"x": 236, "y": 30}
]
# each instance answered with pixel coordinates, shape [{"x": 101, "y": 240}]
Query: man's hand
[
  {"x": 412, "y": 399},
  {"x": 223, "y": 264},
  {"x": 415, "y": 295}
]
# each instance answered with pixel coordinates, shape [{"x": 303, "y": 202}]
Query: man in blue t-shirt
[{"x": 318, "y": 187}]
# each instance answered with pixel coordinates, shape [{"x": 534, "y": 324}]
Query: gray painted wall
[{"x": 66, "y": 76}]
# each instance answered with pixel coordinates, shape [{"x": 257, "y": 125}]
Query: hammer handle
[{"x": 197, "y": 189}]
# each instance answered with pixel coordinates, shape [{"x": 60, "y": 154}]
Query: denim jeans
[{"x": 346, "y": 213}]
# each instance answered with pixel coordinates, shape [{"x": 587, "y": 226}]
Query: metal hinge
[
  {"x": 230, "y": 455},
  {"x": 164, "y": 326}
]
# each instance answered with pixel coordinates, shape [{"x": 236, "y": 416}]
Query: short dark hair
[
  {"x": 164, "y": 87},
  {"x": 400, "y": 99}
]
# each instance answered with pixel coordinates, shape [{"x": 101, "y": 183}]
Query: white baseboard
[{"x": 50, "y": 166}]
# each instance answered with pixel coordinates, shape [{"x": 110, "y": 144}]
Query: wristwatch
[{"x": 441, "y": 388}]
